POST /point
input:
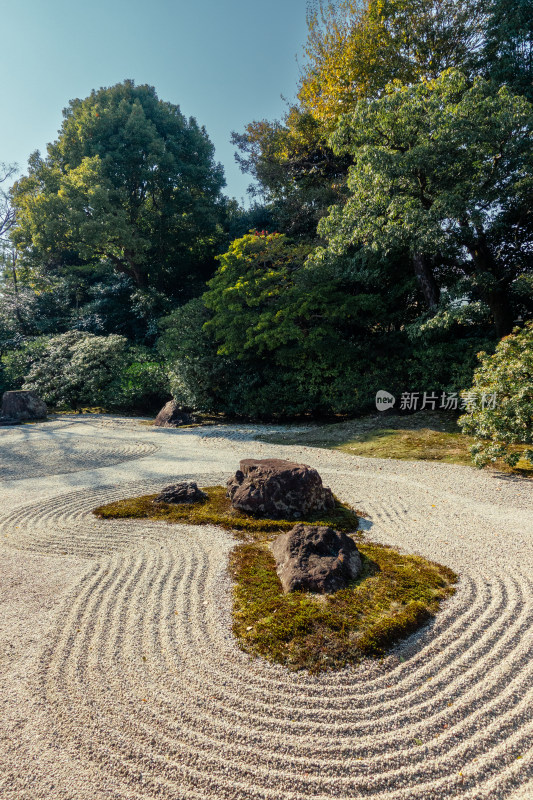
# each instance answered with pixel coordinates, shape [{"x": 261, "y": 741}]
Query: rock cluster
[
  {"x": 315, "y": 558},
  {"x": 171, "y": 416},
  {"x": 22, "y": 406},
  {"x": 278, "y": 489},
  {"x": 183, "y": 492}
]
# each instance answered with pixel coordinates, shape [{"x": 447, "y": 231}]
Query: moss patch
[
  {"x": 393, "y": 597},
  {"x": 217, "y": 510},
  {"x": 424, "y": 436}
]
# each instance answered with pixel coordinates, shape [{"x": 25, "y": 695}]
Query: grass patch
[
  {"x": 418, "y": 437},
  {"x": 393, "y": 597},
  {"x": 217, "y": 510}
]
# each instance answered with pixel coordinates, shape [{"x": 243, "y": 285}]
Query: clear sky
[{"x": 225, "y": 62}]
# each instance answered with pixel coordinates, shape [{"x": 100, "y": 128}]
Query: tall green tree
[
  {"x": 508, "y": 51},
  {"x": 444, "y": 171},
  {"x": 298, "y": 174},
  {"x": 129, "y": 182},
  {"x": 354, "y": 49}
]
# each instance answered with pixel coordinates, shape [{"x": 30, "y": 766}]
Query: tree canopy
[
  {"x": 129, "y": 182},
  {"x": 356, "y": 47},
  {"x": 443, "y": 170}
]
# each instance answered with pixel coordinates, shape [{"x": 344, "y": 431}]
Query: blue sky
[{"x": 225, "y": 62}]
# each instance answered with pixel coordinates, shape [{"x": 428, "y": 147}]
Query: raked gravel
[{"x": 120, "y": 677}]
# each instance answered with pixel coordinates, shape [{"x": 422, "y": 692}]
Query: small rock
[
  {"x": 183, "y": 492},
  {"x": 278, "y": 489},
  {"x": 315, "y": 558},
  {"x": 171, "y": 416}
]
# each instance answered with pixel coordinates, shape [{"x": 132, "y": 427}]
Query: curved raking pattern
[
  {"x": 37, "y": 456},
  {"x": 145, "y": 680}
]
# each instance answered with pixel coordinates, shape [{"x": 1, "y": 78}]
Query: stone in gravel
[
  {"x": 278, "y": 489},
  {"x": 315, "y": 558},
  {"x": 183, "y": 492},
  {"x": 171, "y": 416},
  {"x": 23, "y": 405},
  {"x": 9, "y": 421}
]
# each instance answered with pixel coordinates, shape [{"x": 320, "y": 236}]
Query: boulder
[
  {"x": 170, "y": 416},
  {"x": 23, "y": 406},
  {"x": 315, "y": 558},
  {"x": 278, "y": 489},
  {"x": 183, "y": 492}
]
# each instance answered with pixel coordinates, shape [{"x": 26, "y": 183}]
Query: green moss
[
  {"x": 424, "y": 436},
  {"x": 393, "y": 597},
  {"x": 217, "y": 510}
]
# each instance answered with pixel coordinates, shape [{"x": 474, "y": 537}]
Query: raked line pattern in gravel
[{"x": 133, "y": 686}]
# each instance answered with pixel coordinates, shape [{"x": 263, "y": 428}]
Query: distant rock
[
  {"x": 183, "y": 492},
  {"x": 23, "y": 406},
  {"x": 278, "y": 489},
  {"x": 170, "y": 416},
  {"x": 315, "y": 558}
]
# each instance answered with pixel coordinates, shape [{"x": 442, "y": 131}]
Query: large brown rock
[
  {"x": 278, "y": 489},
  {"x": 171, "y": 416},
  {"x": 315, "y": 558},
  {"x": 23, "y": 406}
]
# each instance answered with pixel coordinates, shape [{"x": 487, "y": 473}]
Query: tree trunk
[
  {"x": 502, "y": 314},
  {"x": 497, "y": 296},
  {"x": 426, "y": 280}
]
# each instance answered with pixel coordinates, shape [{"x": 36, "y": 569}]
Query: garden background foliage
[{"x": 389, "y": 238}]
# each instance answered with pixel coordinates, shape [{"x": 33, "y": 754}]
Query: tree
[
  {"x": 508, "y": 50},
  {"x": 249, "y": 294},
  {"x": 129, "y": 183},
  {"x": 7, "y": 212},
  {"x": 315, "y": 339},
  {"x": 356, "y": 47},
  {"x": 298, "y": 173},
  {"x": 443, "y": 170},
  {"x": 502, "y": 414}
]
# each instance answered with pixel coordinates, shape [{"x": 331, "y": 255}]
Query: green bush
[
  {"x": 501, "y": 414},
  {"x": 78, "y": 369},
  {"x": 199, "y": 378},
  {"x": 16, "y": 363},
  {"x": 144, "y": 383}
]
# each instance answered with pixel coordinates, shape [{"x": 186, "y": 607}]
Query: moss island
[{"x": 393, "y": 597}]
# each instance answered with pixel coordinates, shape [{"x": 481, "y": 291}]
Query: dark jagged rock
[
  {"x": 315, "y": 558},
  {"x": 278, "y": 489},
  {"x": 183, "y": 492},
  {"x": 23, "y": 406},
  {"x": 171, "y": 416}
]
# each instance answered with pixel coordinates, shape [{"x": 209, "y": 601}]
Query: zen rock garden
[{"x": 312, "y": 558}]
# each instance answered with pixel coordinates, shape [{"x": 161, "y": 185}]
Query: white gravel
[{"x": 120, "y": 677}]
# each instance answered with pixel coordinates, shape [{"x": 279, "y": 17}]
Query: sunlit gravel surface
[{"x": 121, "y": 679}]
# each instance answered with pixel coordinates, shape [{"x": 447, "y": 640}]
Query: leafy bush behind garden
[
  {"x": 507, "y": 419},
  {"x": 77, "y": 369}
]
